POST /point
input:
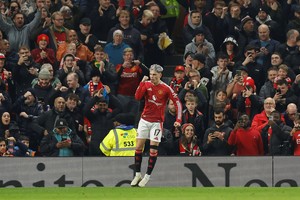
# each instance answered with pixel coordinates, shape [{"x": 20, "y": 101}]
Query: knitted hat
[
  {"x": 44, "y": 74},
  {"x": 2, "y": 56},
  {"x": 198, "y": 31},
  {"x": 179, "y": 68},
  {"x": 119, "y": 32},
  {"x": 85, "y": 21},
  {"x": 95, "y": 72},
  {"x": 31, "y": 90},
  {"x": 264, "y": 9},
  {"x": 245, "y": 20},
  {"x": 186, "y": 125},
  {"x": 200, "y": 57},
  {"x": 125, "y": 118},
  {"x": 43, "y": 37}
]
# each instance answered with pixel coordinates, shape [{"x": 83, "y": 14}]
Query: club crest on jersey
[{"x": 160, "y": 92}]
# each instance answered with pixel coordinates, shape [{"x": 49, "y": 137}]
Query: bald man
[{"x": 290, "y": 114}]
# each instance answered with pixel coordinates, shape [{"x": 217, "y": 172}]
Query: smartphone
[
  {"x": 278, "y": 91},
  {"x": 239, "y": 72},
  {"x": 271, "y": 118}
]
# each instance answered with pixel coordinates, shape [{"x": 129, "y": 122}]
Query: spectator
[
  {"x": 57, "y": 33},
  {"x": 284, "y": 95},
  {"x": 245, "y": 139},
  {"x": 116, "y": 48},
  {"x": 62, "y": 141},
  {"x": 290, "y": 115},
  {"x": 195, "y": 117},
  {"x": 282, "y": 75},
  {"x": 230, "y": 47},
  {"x": 294, "y": 23},
  {"x": 108, "y": 74},
  {"x": 84, "y": 34},
  {"x": 290, "y": 45},
  {"x": 131, "y": 35},
  {"x": 5, "y": 124},
  {"x": 54, "y": 81},
  {"x": 268, "y": 90},
  {"x": 170, "y": 118},
  {"x": 130, "y": 74},
  {"x": 18, "y": 32},
  {"x": 215, "y": 138},
  {"x": 42, "y": 54},
  {"x": 187, "y": 145},
  {"x": 11, "y": 57},
  {"x": 28, "y": 109},
  {"x": 199, "y": 45},
  {"x": 247, "y": 33},
  {"x": 279, "y": 142},
  {"x": 265, "y": 44},
  {"x": 25, "y": 71},
  {"x": 6, "y": 83},
  {"x": 194, "y": 22},
  {"x": 178, "y": 81},
  {"x": 276, "y": 61},
  {"x": 14, "y": 148},
  {"x": 120, "y": 141},
  {"x": 101, "y": 118},
  {"x": 295, "y": 133}
]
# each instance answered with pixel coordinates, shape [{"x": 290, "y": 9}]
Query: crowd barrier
[{"x": 169, "y": 171}]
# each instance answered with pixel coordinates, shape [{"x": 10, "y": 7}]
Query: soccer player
[{"x": 156, "y": 94}]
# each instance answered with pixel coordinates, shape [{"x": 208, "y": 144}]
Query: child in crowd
[
  {"x": 145, "y": 27},
  {"x": 194, "y": 116},
  {"x": 178, "y": 81},
  {"x": 282, "y": 74}
]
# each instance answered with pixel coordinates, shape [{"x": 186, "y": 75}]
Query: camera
[{"x": 278, "y": 91}]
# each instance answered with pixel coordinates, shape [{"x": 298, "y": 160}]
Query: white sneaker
[
  {"x": 136, "y": 179},
  {"x": 144, "y": 181}
]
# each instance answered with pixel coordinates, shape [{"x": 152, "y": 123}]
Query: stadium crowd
[{"x": 69, "y": 71}]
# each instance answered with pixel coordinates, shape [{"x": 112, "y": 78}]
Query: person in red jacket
[
  {"x": 156, "y": 94},
  {"x": 247, "y": 140}
]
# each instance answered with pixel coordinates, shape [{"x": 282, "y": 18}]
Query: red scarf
[{"x": 92, "y": 87}]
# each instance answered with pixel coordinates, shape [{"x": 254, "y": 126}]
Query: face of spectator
[
  {"x": 48, "y": 3},
  {"x": 262, "y": 15},
  {"x": 100, "y": 55},
  {"x": 72, "y": 36},
  {"x": 14, "y": 8},
  {"x": 219, "y": 118},
  {"x": 85, "y": 29},
  {"x": 60, "y": 104},
  {"x": 96, "y": 79},
  {"x": 71, "y": 103},
  {"x": 194, "y": 77},
  {"x": 155, "y": 77},
  {"x": 276, "y": 117},
  {"x": 269, "y": 105},
  {"x": 179, "y": 75},
  {"x": 26, "y": 142},
  {"x": 146, "y": 20},
  {"x": 189, "y": 132},
  {"x": 62, "y": 130},
  {"x": 187, "y": 95},
  {"x": 229, "y": 46},
  {"x": 190, "y": 105},
  {"x": 156, "y": 12},
  {"x": 249, "y": 26},
  {"x": 40, "y": 3},
  {"x": 72, "y": 48},
  {"x": 272, "y": 74},
  {"x": 218, "y": 9},
  {"x": 275, "y": 60},
  {"x": 102, "y": 106},
  {"x": 72, "y": 81},
  {"x": 291, "y": 112},
  {"x": 58, "y": 21},
  {"x": 29, "y": 100},
  {"x": 18, "y": 20},
  {"x": 244, "y": 121},
  {"x": 5, "y": 46},
  {"x": 43, "y": 44},
  {"x": 263, "y": 33},
  {"x": 5, "y": 118},
  {"x": 44, "y": 82},
  {"x": 171, "y": 107},
  {"x": 2, "y": 147},
  {"x": 44, "y": 13},
  {"x": 124, "y": 20},
  {"x": 118, "y": 39},
  {"x": 200, "y": 3},
  {"x": 235, "y": 11},
  {"x": 128, "y": 56},
  {"x": 69, "y": 61},
  {"x": 24, "y": 53},
  {"x": 282, "y": 74},
  {"x": 222, "y": 63},
  {"x": 104, "y": 3},
  {"x": 252, "y": 53},
  {"x": 221, "y": 96},
  {"x": 283, "y": 88},
  {"x": 199, "y": 38},
  {"x": 196, "y": 18}
]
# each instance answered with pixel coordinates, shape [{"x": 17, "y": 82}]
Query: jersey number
[
  {"x": 156, "y": 132},
  {"x": 128, "y": 144}
]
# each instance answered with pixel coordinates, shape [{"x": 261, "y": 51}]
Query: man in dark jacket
[
  {"x": 215, "y": 138},
  {"x": 101, "y": 118},
  {"x": 279, "y": 142},
  {"x": 62, "y": 141}
]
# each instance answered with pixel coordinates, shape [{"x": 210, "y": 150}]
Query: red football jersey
[
  {"x": 296, "y": 139},
  {"x": 156, "y": 98}
]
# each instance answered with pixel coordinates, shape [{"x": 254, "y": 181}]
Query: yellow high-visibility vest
[{"x": 119, "y": 142}]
